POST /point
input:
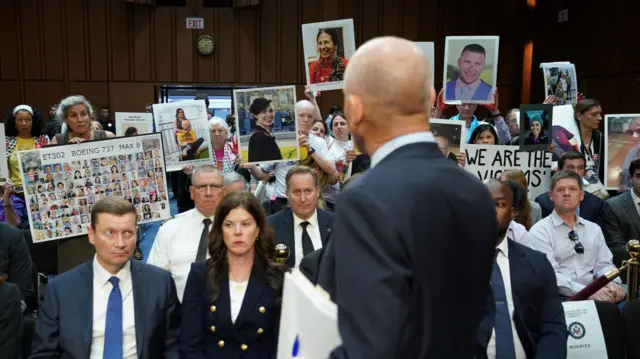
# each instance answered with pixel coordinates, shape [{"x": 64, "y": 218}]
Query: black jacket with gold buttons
[{"x": 207, "y": 330}]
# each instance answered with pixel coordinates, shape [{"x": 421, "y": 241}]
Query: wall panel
[
  {"x": 227, "y": 40},
  {"x": 9, "y": 54},
  {"x": 9, "y": 97},
  {"x": 96, "y": 92},
  {"x": 52, "y": 40},
  {"x": 141, "y": 37},
  {"x": 120, "y": 48},
  {"x": 98, "y": 49},
  {"x": 130, "y": 97},
  {"x": 42, "y": 94},
  {"x": 30, "y": 39},
  {"x": 76, "y": 56}
]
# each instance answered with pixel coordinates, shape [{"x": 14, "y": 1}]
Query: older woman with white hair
[
  {"x": 226, "y": 159},
  {"x": 76, "y": 112}
]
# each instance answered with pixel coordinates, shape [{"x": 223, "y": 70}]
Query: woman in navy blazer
[{"x": 231, "y": 304}]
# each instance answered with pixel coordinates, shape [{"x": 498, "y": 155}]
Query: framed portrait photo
[{"x": 536, "y": 124}]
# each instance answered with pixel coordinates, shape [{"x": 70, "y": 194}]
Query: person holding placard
[
  {"x": 329, "y": 67},
  {"x": 77, "y": 112},
  {"x": 24, "y": 129}
]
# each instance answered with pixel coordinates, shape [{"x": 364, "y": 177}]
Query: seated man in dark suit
[
  {"x": 622, "y": 216},
  {"x": 15, "y": 262},
  {"x": 591, "y": 206},
  {"x": 303, "y": 227},
  {"x": 111, "y": 307},
  {"x": 525, "y": 318}
]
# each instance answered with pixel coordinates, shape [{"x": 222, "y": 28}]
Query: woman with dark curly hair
[
  {"x": 231, "y": 303},
  {"x": 24, "y": 129}
]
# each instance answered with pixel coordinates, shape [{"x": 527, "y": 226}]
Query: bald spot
[
  {"x": 305, "y": 103},
  {"x": 390, "y": 72}
]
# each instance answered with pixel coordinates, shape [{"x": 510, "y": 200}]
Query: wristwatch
[{"x": 312, "y": 151}]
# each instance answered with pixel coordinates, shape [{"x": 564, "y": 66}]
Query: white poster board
[
  {"x": 622, "y": 146},
  {"x": 62, "y": 183},
  {"x": 309, "y": 320},
  {"x": 450, "y": 136},
  {"x": 489, "y": 161},
  {"x": 429, "y": 53},
  {"x": 585, "y": 332},
  {"x": 4, "y": 161},
  {"x": 141, "y": 121},
  {"x": 560, "y": 81},
  {"x": 185, "y": 133}
]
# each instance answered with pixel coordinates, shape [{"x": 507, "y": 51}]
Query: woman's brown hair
[
  {"x": 524, "y": 217},
  {"x": 264, "y": 262}
]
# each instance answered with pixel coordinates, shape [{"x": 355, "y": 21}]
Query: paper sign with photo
[
  {"x": 536, "y": 123},
  {"x": 265, "y": 123},
  {"x": 622, "y": 146},
  {"x": 185, "y": 133},
  {"x": 560, "y": 81},
  {"x": 429, "y": 53},
  {"x": 62, "y": 183},
  {"x": 489, "y": 161},
  {"x": 133, "y": 123},
  {"x": 470, "y": 69},
  {"x": 4, "y": 166},
  {"x": 328, "y": 46},
  {"x": 450, "y": 135}
]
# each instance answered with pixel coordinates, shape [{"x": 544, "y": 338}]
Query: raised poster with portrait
[
  {"x": 265, "y": 123},
  {"x": 560, "y": 81},
  {"x": 536, "y": 125},
  {"x": 185, "y": 133},
  {"x": 62, "y": 183},
  {"x": 450, "y": 136},
  {"x": 470, "y": 69},
  {"x": 328, "y": 46},
  {"x": 133, "y": 123},
  {"x": 622, "y": 146}
]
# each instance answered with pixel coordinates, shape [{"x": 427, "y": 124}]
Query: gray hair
[
  {"x": 204, "y": 169},
  {"x": 304, "y": 103},
  {"x": 217, "y": 121},
  {"x": 233, "y": 177},
  {"x": 71, "y": 101}
]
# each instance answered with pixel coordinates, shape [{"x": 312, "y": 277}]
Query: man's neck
[
  {"x": 375, "y": 141},
  {"x": 569, "y": 218},
  {"x": 304, "y": 217},
  {"x": 502, "y": 236},
  {"x": 467, "y": 119},
  {"x": 207, "y": 214},
  {"x": 112, "y": 269}
]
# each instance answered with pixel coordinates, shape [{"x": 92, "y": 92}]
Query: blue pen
[{"x": 296, "y": 347}]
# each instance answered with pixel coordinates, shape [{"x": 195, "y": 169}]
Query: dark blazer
[
  {"x": 15, "y": 260},
  {"x": 622, "y": 223},
  {"x": 539, "y": 315},
  {"x": 407, "y": 230},
  {"x": 282, "y": 224},
  {"x": 10, "y": 321},
  {"x": 65, "y": 322},
  {"x": 207, "y": 330},
  {"x": 310, "y": 265},
  {"x": 590, "y": 207}
]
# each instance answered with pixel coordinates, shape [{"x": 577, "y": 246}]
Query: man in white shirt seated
[
  {"x": 182, "y": 240},
  {"x": 575, "y": 247},
  {"x": 303, "y": 228}
]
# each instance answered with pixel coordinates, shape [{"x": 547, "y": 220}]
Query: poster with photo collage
[{"x": 62, "y": 183}]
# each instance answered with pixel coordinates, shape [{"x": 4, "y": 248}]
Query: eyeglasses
[
  {"x": 579, "y": 248},
  {"x": 204, "y": 187}
]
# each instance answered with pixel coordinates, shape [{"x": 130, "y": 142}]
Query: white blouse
[{"x": 236, "y": 293}]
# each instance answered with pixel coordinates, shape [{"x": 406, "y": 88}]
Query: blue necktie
[
  {"x": 113, "y": 326},
  {"x": 505, "y": 348}
]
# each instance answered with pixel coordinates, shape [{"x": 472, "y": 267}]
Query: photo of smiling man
[{"x": 471, "y": 69}]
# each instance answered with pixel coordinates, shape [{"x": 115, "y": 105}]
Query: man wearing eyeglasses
[
  {"x": 575, "y": 247},
  {"x": 182, "y": 240}
]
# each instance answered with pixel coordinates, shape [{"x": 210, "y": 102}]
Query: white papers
[
  {"x": 4, "y": 167},
  {"x": 585, "y": 332},
  {"x": 309, "y": 318}
]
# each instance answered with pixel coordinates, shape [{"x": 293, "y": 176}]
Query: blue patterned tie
[
  {"x": 505, "y": 348},
  {"x": 113, "y": 326}
]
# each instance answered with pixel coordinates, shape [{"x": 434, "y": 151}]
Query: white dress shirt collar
[
  {"x": 313, "y": 220},
  {"x": 102, "y": 275},
  {"x": 557, "y": 221},
  {"x": 386, "y": 149},
  {"x": 634, "y": 198},
  {"x": 503, "y": 247},
  {"x": 199, "y": 216}
]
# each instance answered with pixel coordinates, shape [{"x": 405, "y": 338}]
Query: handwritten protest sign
[{"x": 489, "y": 161}]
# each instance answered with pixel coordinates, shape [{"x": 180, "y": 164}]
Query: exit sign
[{"x": 195, "y": 23}]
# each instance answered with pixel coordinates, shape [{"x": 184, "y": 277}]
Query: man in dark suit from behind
[
  {"x": 10, "y": 317},
  {"x": 303, "y": 228},
  {"x": 15, "y": 262},
  {"x": 525, "y": 318},
  {"x": 591, "y": 206},
  {"x": 111, "y": 307},
  {"x": 412, "y": 244},
  {"x": 622, "y": 216}
]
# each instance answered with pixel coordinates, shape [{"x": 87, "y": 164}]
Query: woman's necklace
[{"x": 240, "y": 284}]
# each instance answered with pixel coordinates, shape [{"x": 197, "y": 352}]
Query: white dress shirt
[
  {"x": 635, "y": 200},
  {"x": 176, "y": 246},
  {"x": 503, "y": 263},
  {"x": 101, "y": 290},
  {"x": 404, "y": 140},
  {"x": 518, "y": 233},
  {"x": 573, "y": 271},
  {"x": 314, "y": 232},
  {"x": 237, "y": 291}
]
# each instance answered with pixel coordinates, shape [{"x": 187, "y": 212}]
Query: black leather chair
[
  {"x": 613, "y": 329},
  {"x": 631, "y": 318}
]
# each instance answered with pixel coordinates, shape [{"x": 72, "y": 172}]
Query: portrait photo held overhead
[
  {"x": 470, "y": 69},
  {"x": 185, "y": 133},
  {"x": 328, "y": 46},
  {"x": 560, "y": 81},
  {"x": 265, "y": 123},
  {"x": 535, "y": 127},
  {"x": 622, "y": 136}
]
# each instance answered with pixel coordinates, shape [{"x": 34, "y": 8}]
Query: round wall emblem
[{"x": 206, "y": 45}]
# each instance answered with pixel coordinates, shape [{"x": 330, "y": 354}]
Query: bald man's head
[{"x": 305, "y": 113}]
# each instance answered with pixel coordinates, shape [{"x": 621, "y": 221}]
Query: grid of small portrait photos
[{"x": 60, "y": 195}]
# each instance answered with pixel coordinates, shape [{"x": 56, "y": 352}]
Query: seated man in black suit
[
  {"x": 15, "y": 262},
  {"x": 591, "y": 206},
  {"x": 112, "y": 306},
  {"x": 525, "y": 318},
  {"x": 302, "y": 227},
  {"x": 622, "y": 216}
]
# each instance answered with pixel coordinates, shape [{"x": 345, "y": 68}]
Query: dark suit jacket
[
  {"x": 207, "y": 330},
  {"x": 408, "y": 230},
  {"x": 65, "y": 322},
  {"x": 10, "y": 321},
  {"x": 282, "y": 225},
  {"x": 539, "y": 315},
  {"x": 310, "y": 265},
  {"x": 622, "y": 223},
  {"x": 590, "y": 207},
  {"x": 15, "y": 260}
]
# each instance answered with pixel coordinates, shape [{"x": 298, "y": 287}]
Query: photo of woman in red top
[{"x": 331, "y": 64}]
